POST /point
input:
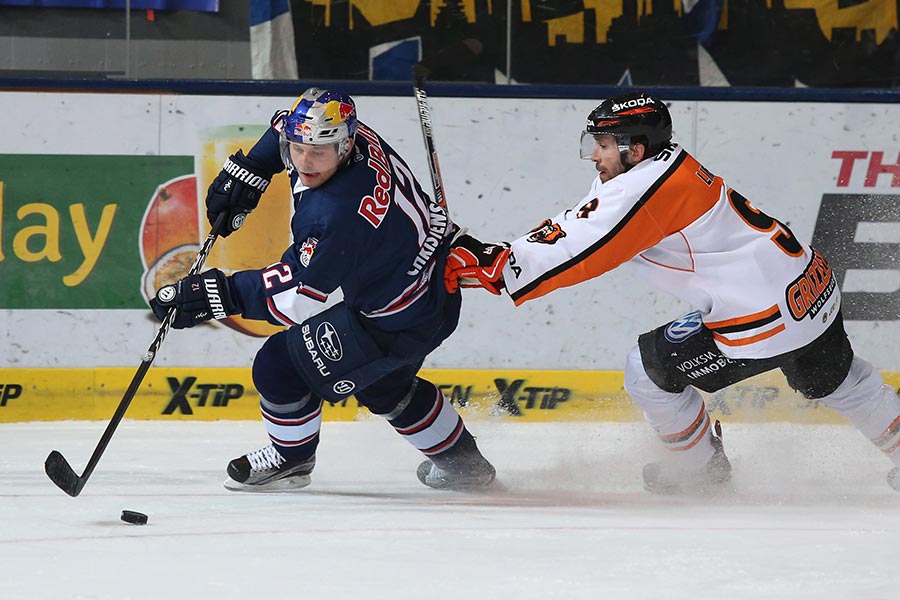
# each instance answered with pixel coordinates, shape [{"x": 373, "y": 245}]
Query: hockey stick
[
  {"x": 56, "y": 466},
  {"x": 420, "y": 73}
]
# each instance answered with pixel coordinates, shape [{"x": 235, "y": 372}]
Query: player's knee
[
  {"x": 274, "y": 375},
  {"x": 636, "y": 379},
  {"x": 638, "y": 384},
  {"x": 634, "y": 369},
  {"x": 860, "y": 387}
]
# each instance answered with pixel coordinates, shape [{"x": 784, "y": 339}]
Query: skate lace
[{"x": 265, "y": 459}]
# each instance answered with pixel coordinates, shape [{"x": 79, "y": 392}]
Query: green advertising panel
[{"x": 70, "y": 227}]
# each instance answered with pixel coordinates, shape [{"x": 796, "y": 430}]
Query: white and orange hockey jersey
[{"x": 760, "y": 291}]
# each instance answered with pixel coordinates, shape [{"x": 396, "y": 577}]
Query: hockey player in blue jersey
[{"x": 362, "y": 224}]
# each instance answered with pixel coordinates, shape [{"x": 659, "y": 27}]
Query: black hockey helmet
[{"x": 633, "y": 117}]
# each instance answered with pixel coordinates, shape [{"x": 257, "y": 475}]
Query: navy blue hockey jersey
[{"x": 370, "y": 230}]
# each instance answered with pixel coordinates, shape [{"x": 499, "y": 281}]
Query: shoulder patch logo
[
  {"x": 307, "y": 249},
  {"x": 547, "y": 232}
]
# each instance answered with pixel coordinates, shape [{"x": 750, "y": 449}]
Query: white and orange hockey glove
[{"x": 473, "y": 264}]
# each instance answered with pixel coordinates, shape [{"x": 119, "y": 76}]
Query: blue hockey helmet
[{"x": 322, "y": 117}]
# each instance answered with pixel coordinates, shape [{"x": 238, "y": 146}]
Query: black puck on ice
[{"x": 133, "y": 517}]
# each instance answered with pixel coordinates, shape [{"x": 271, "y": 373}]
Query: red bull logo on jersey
[
  {"x": 373, "y": 208},
  {"x": 307, "y": 249}
]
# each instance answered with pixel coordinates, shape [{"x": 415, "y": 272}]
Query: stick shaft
[
  {"x": 419, "y": 76},
  {"x": 56, "y": 466}
]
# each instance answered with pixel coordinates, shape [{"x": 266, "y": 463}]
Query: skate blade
[
  {"x": 473, "y": 487},
  {"x": 279, "y": 486}
]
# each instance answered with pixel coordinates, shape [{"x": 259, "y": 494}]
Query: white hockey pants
[{"x": 682, "y": 424}]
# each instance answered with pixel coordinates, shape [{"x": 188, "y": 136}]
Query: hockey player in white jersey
[{"x": 763, "y": 299}]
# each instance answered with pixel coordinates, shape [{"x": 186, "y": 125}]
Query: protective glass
[
  {"x": 589, "y": 142},
  {"x": 309, "y": 158}
]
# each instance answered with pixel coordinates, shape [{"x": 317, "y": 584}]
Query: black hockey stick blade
[{"x": 59, "y": 471}]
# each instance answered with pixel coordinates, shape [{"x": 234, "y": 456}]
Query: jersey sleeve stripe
[
  {"x": 548, "y": 281},
  {"x": 277, "y": 314},
  {"x": 675, "y": 200}
]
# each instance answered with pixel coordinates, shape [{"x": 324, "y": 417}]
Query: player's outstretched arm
[
  {"x": 236, "y": 191},
  {"x": 472, "y": 263}
]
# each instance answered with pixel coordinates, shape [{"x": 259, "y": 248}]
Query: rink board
[{"x": 208, "y": 394}]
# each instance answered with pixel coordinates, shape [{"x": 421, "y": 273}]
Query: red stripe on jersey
[
  {"x": 312, "y": 293},
  {"x": 277, "y": 314}
]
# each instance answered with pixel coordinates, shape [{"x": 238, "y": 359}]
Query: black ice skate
[
  {"x": 462, "y": 467},
  {"x": 265, "y": 470},
  {"x": 717, "y": 471},
  {"x": 893, "y": 478}
]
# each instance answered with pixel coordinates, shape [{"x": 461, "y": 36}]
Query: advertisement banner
[
  {"x": 92, "y": 223},
  {"x": 69, "y": 227},
  {"x": 205, "y": 394}
]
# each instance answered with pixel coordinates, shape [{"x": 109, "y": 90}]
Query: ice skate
[
  {"x": 663, "y": 479},
  {"x": 265, "y": 470},
  {"x": 460, "y": 468},
  {"x": 893, "y": 478}
]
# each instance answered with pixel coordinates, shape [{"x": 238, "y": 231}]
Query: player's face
[
  {"x": 315, "y": 164},
  {"x": 607, "y": 157}
]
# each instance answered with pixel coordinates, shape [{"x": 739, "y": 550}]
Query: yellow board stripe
[{"x": 209, "y": 394}]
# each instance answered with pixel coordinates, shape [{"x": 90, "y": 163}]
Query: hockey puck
[{"x": 135, "y": 518}]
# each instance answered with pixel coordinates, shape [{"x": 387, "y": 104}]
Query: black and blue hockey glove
[
  {"x": 236, "y": 190},
  {"x": 197, "y": 298}
]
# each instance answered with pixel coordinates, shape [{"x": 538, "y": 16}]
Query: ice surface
[{"x": 809, "y": 516}]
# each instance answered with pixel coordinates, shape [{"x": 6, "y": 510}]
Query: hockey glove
[
  {"x": 236, "y": 190},
  {"x": 196, "y": 298},
  {"x": 475, "y": 264}
]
